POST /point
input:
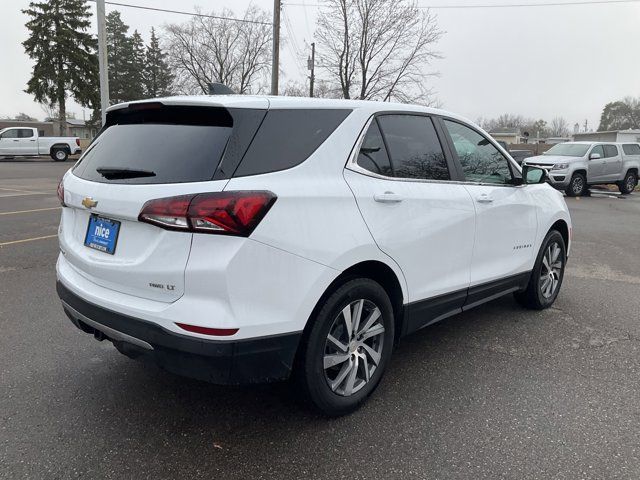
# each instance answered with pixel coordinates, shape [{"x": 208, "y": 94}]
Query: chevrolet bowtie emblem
[{"x": 89, "y": 202}]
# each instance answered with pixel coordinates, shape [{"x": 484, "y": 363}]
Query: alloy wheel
[
  {"x": 551, "y": 270},
  {"x": 577, "y": 185},
  {"x": 60, "y": 155},
  {"x": 631, "y": 183},
  {"x": 353, "y": 348}
]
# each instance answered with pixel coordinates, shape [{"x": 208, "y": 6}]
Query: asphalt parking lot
[{"x": 497, "y": 392}]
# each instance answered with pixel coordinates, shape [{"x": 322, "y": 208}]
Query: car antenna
[{"x": 219, "y": 89}]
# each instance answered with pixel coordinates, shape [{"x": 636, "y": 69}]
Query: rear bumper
[{"x": 256, "y": 360}]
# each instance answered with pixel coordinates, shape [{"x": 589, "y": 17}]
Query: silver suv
[{"x": 573, "y": 166}]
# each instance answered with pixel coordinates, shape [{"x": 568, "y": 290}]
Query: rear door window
[
  {"x": 610, "y": 151},
  {"x": 25, "y": 133},
  {"x": 414, "y": 147},
  {"x": 287, "y": 137},
  {"x": 165, "y": 144}
]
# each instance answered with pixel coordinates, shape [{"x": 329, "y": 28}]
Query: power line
[
  {"x": 503, "y": 5},
  {"x": 179, "y": 12},
  {"x": 292, "y": 44}
]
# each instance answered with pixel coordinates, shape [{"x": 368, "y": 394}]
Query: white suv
[{"x": 238, "y": 239}]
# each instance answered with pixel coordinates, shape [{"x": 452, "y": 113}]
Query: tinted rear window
[
  {"x": 287, "y": 138},
  {"x": 168, "y": 144},
  {"x": 631, "y": 149},
  {"x": 25, "y": 133},
  {"x": 168, "y": 153}
]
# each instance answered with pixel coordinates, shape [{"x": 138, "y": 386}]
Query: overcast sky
[{"x": 537, "y": 62}]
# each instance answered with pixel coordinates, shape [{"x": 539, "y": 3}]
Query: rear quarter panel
[{"x": 316, "y": 216}]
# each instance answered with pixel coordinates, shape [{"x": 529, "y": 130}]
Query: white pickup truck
[
  {"x": 574, "y": 166},
  {"x": 25, "y": 142}
]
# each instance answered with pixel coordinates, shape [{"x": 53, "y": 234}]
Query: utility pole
[
  {"x": 275, "y": 61},
  {"x": 102, "y": 61},
  {"x": 311, "y": 63}
]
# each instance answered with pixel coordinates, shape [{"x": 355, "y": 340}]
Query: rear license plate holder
[{"x": 102, "y": 234}]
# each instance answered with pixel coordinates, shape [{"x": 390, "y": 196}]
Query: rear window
[
  {"x": 167, "y": 144},
  {"x": 287, "y": 138},
  {"x": 631, "y": 149}
]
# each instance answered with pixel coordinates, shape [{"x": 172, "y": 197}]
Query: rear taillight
[
  {"x": 226, "y": 213},
  {"x": 77, "y": 141},
  {"x": 60, "y": 192}
]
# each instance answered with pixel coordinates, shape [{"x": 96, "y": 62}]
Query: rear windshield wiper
[{"x": 121, "y": 173}]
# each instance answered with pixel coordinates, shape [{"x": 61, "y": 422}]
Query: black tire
[
  {"x": 533, "y": 296},
  {"x": 310, "y": 373},
  {"x": 577, "y": 186},
  {"x": 629, "y": 183},
  {"x": 59, "y": 154}
]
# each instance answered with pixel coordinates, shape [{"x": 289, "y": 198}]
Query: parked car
[
  {"x": 25, "y": 142},
  {"x": 241, "y": 239},
  {"x": 574, "y": 166},
  {"x": 520, "y": 155}
]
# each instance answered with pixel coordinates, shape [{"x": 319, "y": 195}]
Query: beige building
[
  {"x": 45, "y": 129},
  {"x": 610, "y": 136},
  {"x": 505, "y": 135}
]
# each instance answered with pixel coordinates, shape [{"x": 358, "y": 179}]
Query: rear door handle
[
  {"x": 484, "y": 198},
  {"x": 387, "y": 197}
]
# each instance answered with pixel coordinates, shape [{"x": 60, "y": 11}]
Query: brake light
[
  {"x": 145, "y": 106},
  {"x": 60, "y": 192},
  {"x": 77, "y": 141},
  {"x": 226, "y": 213}
]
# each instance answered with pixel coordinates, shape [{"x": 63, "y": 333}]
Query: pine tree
[
  {"x": 64, "y": 53},
  {"x": 118, "y": 56},
  {"x": 157, "y": 74},
  {"x": 136, "y": 69}
]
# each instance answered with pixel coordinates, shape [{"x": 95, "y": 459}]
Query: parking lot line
[
  {"x": 27, "y": 240},
  {"x": 20, "y": 190},
  {"x": 24, "y": 194},
  {"x": 29, "y": 211}
]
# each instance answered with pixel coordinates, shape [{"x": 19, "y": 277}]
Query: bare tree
[
  {"x": 378, "y": 49},
  {"x": 24, "y": 117},
  {"x": 559, "y": 127},
  {"x": 322, "y": 89},
  {"x": 506, "y": 120},
  {"x": 205, "y": 49}
]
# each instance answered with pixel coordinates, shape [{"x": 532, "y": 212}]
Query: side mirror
[
  {"x": 533, "y": 175},
  {"x": 594, "y": 156}
]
